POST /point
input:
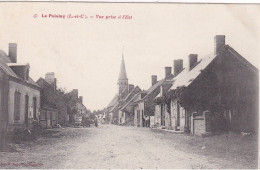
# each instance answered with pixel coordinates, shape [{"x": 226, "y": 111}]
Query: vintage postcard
[{"x": 129, "y": 85}]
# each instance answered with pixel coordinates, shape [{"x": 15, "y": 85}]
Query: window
[
  {"x": 17, "y": 102},
  {"x": 34, "y": 107},
  {"x": 26, "y": 112}
]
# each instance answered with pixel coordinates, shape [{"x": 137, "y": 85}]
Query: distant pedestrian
[
  {"x": 96, "y": 122},
  {"x": 147, "y": 122}
]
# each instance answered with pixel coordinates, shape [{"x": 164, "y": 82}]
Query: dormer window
[{"x": 21, "y": 70}]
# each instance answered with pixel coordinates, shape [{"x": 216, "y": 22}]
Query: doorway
[
  {"x": 26, "y": 118},
  {"x": 162, "y": 115}
]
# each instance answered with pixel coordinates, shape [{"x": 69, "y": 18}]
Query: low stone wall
[{"x": 201, "y": 124}]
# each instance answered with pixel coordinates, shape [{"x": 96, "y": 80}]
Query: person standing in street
[{"x": 95, "y": 121}]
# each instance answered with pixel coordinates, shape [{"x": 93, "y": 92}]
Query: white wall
[{"x": 24, "y": 90}]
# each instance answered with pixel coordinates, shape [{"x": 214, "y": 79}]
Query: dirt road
[
  {"x": 110, "y": 146},
  {"x": 129, "y": 147}
]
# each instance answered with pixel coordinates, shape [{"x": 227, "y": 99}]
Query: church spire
[
  {"x": 122, "y": 74},
  {"x": 122, "y": 79}
]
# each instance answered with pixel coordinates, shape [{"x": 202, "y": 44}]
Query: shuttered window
[{"x": 17, "y": 104}]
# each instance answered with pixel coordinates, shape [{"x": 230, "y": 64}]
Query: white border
[{"x": 147, "y": 1}]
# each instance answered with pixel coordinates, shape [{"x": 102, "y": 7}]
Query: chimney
[
  {"x": 178, "y": 66},
  {"x": 13, "y": 52},
  {"x": 193, "y": 58},
  {"x": 219, "y": 43},
  {"x": 168, "y": 71},
  {"x": 154, "y": 79},
  {"x": 131, "y": 87},
  {"x": 81, "y": 99},
  {"x": 50, "y": 77},
  {"x": 55, "y": 84},
  {"x": 74, "y": 93}
]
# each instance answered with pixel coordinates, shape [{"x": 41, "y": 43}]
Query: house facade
[
  {"x": 49, "y": 112},
  {"x": 139, "y": 109},
  {"x": 126, "y": 111},
  {"x": 217, "y": 93},
  {"x": 19, "y": 94},
  {"x": 162, "y": 109},
  {"x": 79, "y": 108},
  {"x": 145, "y": 107}
]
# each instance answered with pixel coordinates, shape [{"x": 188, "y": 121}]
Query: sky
[{"x": 85, "y": 54}]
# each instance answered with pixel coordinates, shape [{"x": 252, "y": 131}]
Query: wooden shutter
[{"x": 17, "y": 104}]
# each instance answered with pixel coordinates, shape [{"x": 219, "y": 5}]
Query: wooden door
[{"x": 178, "y": 114}]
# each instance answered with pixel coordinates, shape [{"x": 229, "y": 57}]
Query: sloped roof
[
  {"x": 113, "y": 101},
  {"x": 125, "y": 89},
  {"x": 186, "y": 77},
  {"x": 159, "y": 83},
  {"x": 131, "y": 100},
  {"x": 241, "y": 59},
  {"x": 43, "y": 80},
  {"x": 129, "y": 94},
  {"x": 31, "y": 81},
  {"x": 80, "y": 105},
  {"x": 3, "y": 57},
  {"x": 115, "y": 106},
  {"x": 7, "y": 69},
  {"x": 168, "y": 84},
  {"x": 4, "y": 62}
]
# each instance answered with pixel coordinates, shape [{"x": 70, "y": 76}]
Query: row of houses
[
  {"x": 213, "y": 94},
  {"x": 24, "y": 102}
]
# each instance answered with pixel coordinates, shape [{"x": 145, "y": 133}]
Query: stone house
[
  {"x": 126, "y": 112},
  {"x": 79, "y": 108},
  {"x": 49, "y": 113},
  {"x": 217, "y": 93},
  {"x": 139, "y": 109},
  {"x": 19, "y": 94},
  {"x": 162, "y": 111},
  {"x": 145, "y": 106},
  {"x": 111, "y": 108}
]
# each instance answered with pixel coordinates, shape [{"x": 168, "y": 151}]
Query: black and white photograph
[{"x": 106, "y": 85}]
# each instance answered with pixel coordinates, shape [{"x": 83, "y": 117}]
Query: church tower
[{"x": 122, "y": 80}]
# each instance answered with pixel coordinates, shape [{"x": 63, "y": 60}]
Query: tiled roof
[
  {"x": 159, "y": 83},
  {"x": 4, "y": 62},
  {"x": 167, "y": 85},
  {"x": 115, "y": 106},
  {"x": 127, "y": 97},
  {"x": 131, "y": 100},
  {"x": 186, "y": 77},
  {"x": 113, "y": 101}
]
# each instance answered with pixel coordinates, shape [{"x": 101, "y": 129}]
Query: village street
[{"x": 110, "y": 146}]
